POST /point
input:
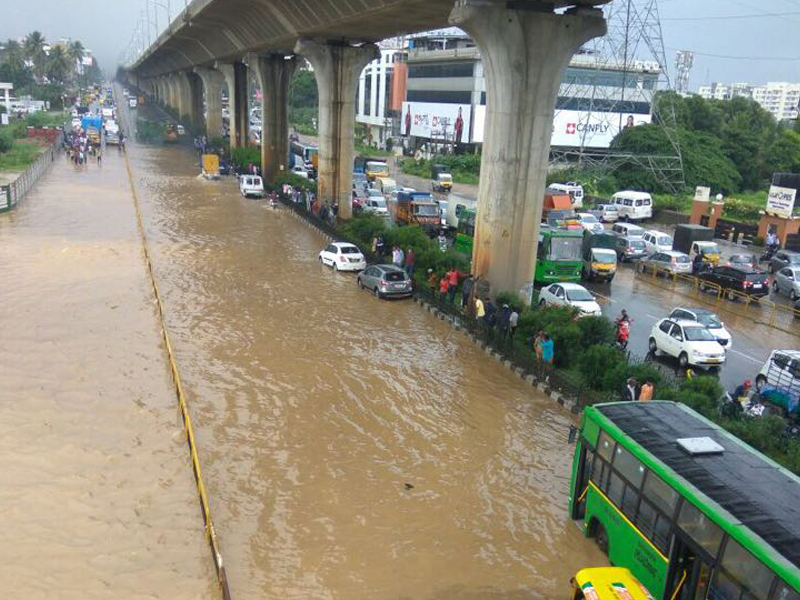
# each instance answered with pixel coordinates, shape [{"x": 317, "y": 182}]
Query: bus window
[
  {"x": 700, "y": 528},
  {"x": 630, "y": 468},
  {"x": 605, "y": 446},
  {"x": 660, "y": 494},
  {"x": 741, "y": 573},
  {"x": 784, "y": 592}
]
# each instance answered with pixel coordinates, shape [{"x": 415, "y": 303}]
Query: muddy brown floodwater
[
  {"x": 96, "y": 497},
  {"x": 352, "y": 448}
]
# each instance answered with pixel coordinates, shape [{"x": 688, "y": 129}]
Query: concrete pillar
[
  {"x": 212, "y": 90},
  {"x": 337, "y": 68},
  {"x": 235, "y": 75},
  {"x": 195, "y": 100},
  {"x": 172, "y": 93},
  {"x": 524, "y": 56},
  {"x": 274, "y": 74},
  {"x": 180, "y": 94}
]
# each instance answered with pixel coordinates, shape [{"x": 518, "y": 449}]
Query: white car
[
  {"x": 251, "y": 186},
  {"x": 589, "y": 222},
  {"x": 688, "y": 341},
  {"x": 707, "y": 318},
  {"x": 628, "y": 230},
  {"x": 570, "y": 294},
  {"x": 377, "y": 205},
  {"x": 343, "y": 257},
  {"x": 300, "y": 171},
  {"x": 657, "y": 241}
]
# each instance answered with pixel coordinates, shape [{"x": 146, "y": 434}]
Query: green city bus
[
  {"x": 465, "y": 232},
  {"x": 559, "y": 256},
  {"x": 692, "y": 511}
]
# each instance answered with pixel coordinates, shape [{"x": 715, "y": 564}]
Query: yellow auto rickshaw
[{"x": 608, "y": 583}]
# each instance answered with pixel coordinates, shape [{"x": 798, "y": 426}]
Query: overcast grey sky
[{"x": 105, "y": 26}]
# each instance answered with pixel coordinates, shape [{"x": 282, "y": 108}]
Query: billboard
[
  {"x": 780, "y": 201},
  {"x": 436, "y": 121},
  {"x": 576, "y": 128}
]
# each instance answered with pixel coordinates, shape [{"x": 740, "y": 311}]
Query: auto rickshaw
[{"x": 608, "y": 583}]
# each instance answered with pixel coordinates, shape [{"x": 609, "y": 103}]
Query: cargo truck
[
  {"x": 599, "y": 254},
  {"x": 416, "y": 208},
  {"x": 441, "y": 178},
  {"x": 696, "y": 240}
]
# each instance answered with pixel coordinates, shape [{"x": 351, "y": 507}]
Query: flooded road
[
  {"x": 97, "y": 498},
  {"x": 352, "y": 448}
]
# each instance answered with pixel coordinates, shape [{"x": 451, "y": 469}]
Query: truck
[
  {"x": 416, "y": 208},
  {"x": 557, "y": 205},
  {"x": 375, "y": 168},
  {"x": 599, "y": 256},
  {"x": 92, "y": 126},
  {"x": 696, "y": 239},
  {"x": 573, "y": 189},
  {"x": 441, "y": 178}
]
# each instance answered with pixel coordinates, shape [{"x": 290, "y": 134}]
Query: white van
[
  {"x": 385, "y": 186},
  {"x": 633, "y": 206},
  {"x": 574, "y": 189},
  {"x": 251, "y": 186}
]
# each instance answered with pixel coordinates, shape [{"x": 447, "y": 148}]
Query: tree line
[
  {"x": 730, "y": 145},
  {"x": 46, "y": 71}
]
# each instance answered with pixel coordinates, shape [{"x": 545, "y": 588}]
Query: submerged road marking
[{"x": 747, "y": 356}]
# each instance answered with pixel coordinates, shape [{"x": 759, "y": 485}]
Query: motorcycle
[
  {"x": 769, "y": 253},
  {"x": 623, "y": 333}
]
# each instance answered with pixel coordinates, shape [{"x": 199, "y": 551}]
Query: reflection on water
[
  {"x": 352, "y": 448},
  {"x": 97, "y": 499}
]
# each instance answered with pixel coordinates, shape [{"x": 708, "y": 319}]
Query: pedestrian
[
  {"x": 432, "y": 280},
  {"x": 444, "y": 286},
  {"x": 742, "y": 392},
  {"x": 453, "y": 279},
  {"x": 401, "y": 257},
  {"x": 442, "y": 242},
  {"x": 513, "y": 321},
  {"x": 379, "y": 246},
  {"x": 537, "y": 344},
  {"x": 502, "y": 320},
  {"x": 466, "y": 290},
  {"x": 548, "y": 349},
  {"x": 491, "y": 312},
  {"x": 395, "y": 256},
  {"x": 410, "y": 261},
  {"x": 480, "y": 311},
  {"x": 630, "y": 392},
  {"x": 646, "y": 392},
  {"x": 99, "y": 157}
]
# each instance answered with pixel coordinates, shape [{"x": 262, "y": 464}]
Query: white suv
[
  {"x": 657, "y": 241},
  {"x": 690, "y": 342}
]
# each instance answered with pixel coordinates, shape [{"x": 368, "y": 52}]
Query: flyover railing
[
  {"x": 12, "y": 194},
  {"x": 760, "y": 310}
]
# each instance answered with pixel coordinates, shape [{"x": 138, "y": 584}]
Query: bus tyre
[{"x": 601, "y": 538}]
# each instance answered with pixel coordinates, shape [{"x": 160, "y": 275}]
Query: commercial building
[
  {"x": 381, "y": 91},
  {"x": 446, "y": 95},
  {"x": 780, "y": 98}
]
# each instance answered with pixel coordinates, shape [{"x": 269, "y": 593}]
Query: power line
[
  {"x": 773, "y": 58},
  {"x": 729, "y": 17}
]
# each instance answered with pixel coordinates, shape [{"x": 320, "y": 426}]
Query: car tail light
[
  {"x": 383, "y": 283},
  {"x": 747, "y": 283}
]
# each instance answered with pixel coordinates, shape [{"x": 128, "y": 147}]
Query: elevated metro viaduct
[{"x": 525, "y": 45}]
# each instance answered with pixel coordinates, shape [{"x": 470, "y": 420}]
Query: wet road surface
[
  {"x": 97, "y": 497},
  {"x": 352, "y": 448}
]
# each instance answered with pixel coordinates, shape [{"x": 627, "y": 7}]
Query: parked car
[
  {"x": 385, "y": 281},
  {"x": 570, "y": 294},
  {"x": 251, "y": 186},
  {"x": 787, "y": 280},
  {"x": 779, "y": 379},
  {"x": 706, "y": 318},
  {"x": 376, "y": 205},
  {"x": 743, "y": 260},
  {"x": 343, "y": 257},
  {"x": 606, "y": 213},
  {"x": 630, "y": 248},
  {"x": 657, "y": 241},
  {"x": 589, "y": 222},
  {"x": 784, "y": 258},
  {"x": 736, "y": 279},
  {"x": 688, "y": 341},
  {"x": 628, "y": 230},
  {"x": 633, "y": 206},
  {"x": 672, "y": 261}
]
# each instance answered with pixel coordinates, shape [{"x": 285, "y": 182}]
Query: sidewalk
[{"x": 97, "y": 495}]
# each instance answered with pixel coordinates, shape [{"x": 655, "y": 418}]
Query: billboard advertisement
[
  {"x": 436, "y": 121},
  {"x": 780, "y": 201},
  {"x": 576, "y": 128}
]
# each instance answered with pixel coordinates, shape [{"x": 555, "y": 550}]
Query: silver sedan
[{"x": 787, "y": 280}]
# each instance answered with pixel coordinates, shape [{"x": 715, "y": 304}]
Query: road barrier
[
  {"x": 211, "y": 534},
  {"x": 762, "y": 311},
  {"x": 13, "y": 193}
]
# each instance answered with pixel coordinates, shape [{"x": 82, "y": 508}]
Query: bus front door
[
  {"x": 582, "y": 481},
  {"x": 690, "y": 571}
]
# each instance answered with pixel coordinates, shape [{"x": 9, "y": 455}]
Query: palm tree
[
  {"x": 34, "y": 50},
  {"x": 58, "y": 65},
  {"x": 75, "y": 52},
  {"x": 13, "y": 58}
]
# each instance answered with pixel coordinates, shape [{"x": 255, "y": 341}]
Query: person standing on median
[
  {"x": 513, "y": 320},
  {"x": 480, "y": 311},
  {"x": 646, "y": 392},
  {"x": 548, "y": 349},
  {"x": 410, "y": 260}
]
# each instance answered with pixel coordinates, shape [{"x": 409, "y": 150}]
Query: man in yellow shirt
[{"x": 480, "y": 311}]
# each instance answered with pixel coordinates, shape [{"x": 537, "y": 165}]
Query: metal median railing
[
  {"x": 760, "y": 310},
  {"x": 13, "y": 193}
]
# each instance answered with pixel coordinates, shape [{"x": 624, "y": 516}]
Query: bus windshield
[{"x": 565, "y": 248}]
